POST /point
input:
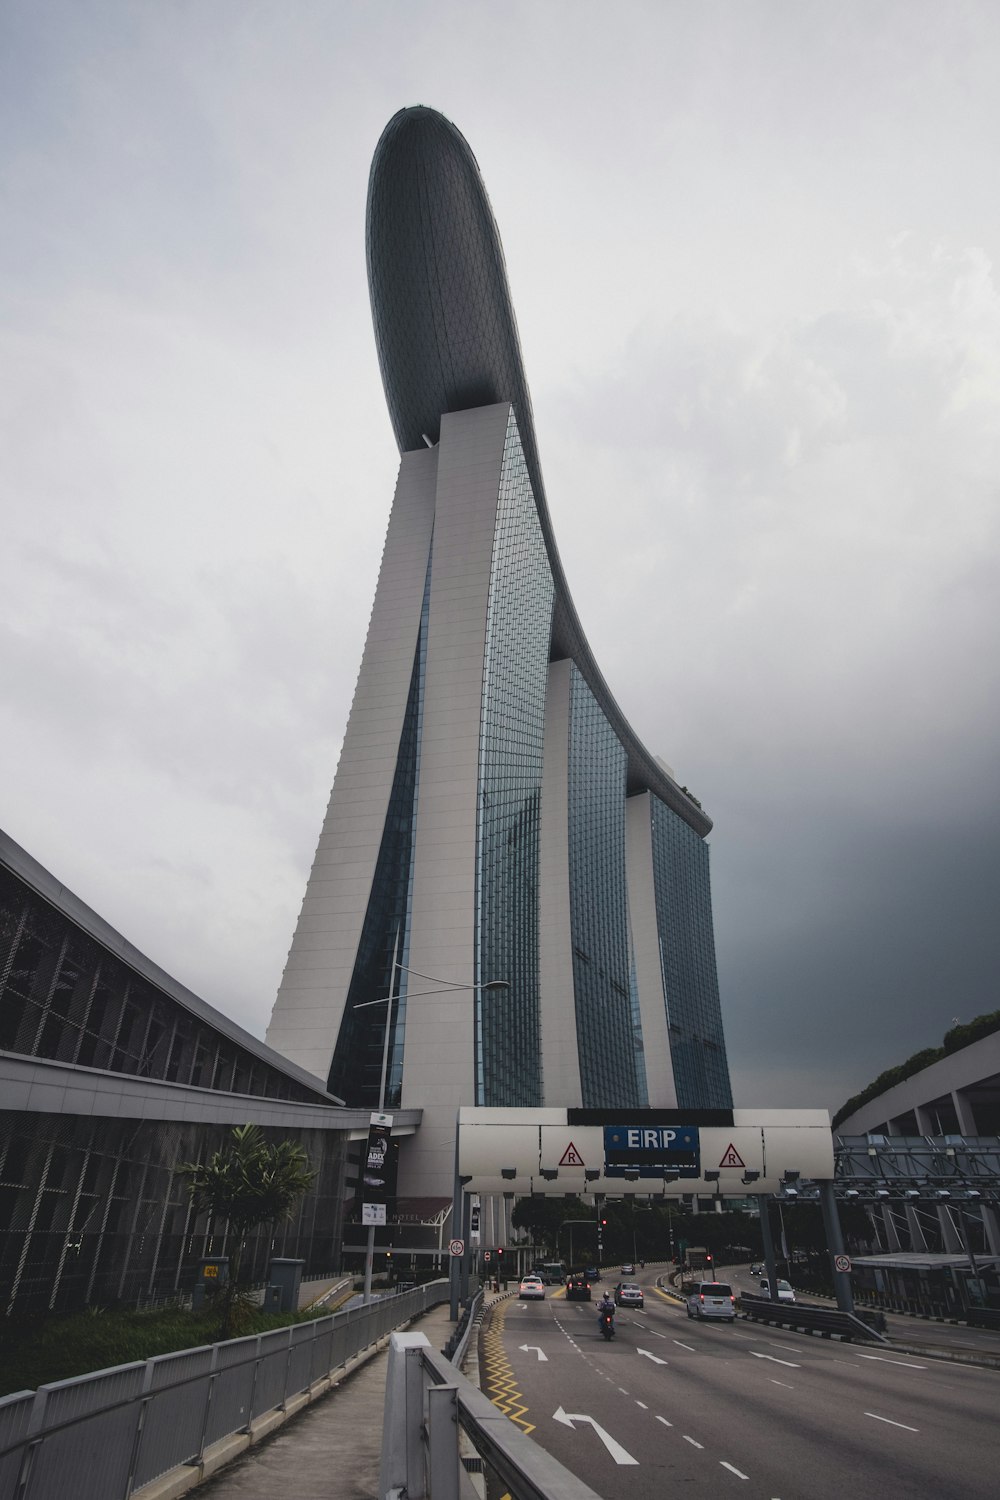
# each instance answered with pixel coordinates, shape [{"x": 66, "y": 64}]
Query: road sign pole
[{"x": 835, "y": 1245}]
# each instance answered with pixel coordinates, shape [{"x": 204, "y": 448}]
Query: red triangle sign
[
  {"x": 571, "y": 1157},
  {"x": 732, "y": 1158}
]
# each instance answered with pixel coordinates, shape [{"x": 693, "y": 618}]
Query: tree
[{"x": 249, "y": 1182}]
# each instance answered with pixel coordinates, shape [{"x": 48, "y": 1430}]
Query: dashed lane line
[{"x": 891, "y": 1423}]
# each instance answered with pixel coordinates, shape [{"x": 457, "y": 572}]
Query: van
[
  {"x": 785, "y": 1293},
  {"x": 712, "y": 1299}
]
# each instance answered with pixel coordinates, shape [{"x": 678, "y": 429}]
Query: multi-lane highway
[{"x": 718, "y": 1409}]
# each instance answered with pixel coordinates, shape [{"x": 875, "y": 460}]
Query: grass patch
[{"x": 37, "y": 1351}]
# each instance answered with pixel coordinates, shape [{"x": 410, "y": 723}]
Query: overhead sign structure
[{"x": 661, "y": 1152}]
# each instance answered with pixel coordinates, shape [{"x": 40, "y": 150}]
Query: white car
[
  {"x": 785, "y": 1293},
  {"x": 712, "y": 1299},
  {"x": 532, "y": 1286}
]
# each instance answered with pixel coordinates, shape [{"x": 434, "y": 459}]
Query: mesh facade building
[
  {"x": 111, "y": 1075},
  {"x": 494, "y": 815}
]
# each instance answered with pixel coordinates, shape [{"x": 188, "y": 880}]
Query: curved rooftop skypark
[{"x": 447, "y": 342}]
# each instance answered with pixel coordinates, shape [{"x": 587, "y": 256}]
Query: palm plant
[{"x": 248, "y": 1182}]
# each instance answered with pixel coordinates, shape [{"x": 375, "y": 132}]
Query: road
[{"x": 733, "y": 1409}]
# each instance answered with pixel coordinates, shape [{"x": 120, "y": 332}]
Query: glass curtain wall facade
[
  {"x": 518, "y": 627},
  {"x": 687, "y": 956},
  {"x": 605, "y": 1018}
]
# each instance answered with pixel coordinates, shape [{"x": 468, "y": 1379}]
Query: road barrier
[
  {"x": 428, "y": 1405},
  {"x": 803, "y": 1315},
  {"x": 104, "y": 1436}
]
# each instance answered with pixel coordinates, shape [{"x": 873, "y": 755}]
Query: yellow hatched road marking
[{"x": 499, "y": 1379}]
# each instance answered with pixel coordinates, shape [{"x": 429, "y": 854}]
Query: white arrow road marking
[
  {"x": 543, "y": 1359},
  {"x": 656, "y": 1360},
  {"x": 903, "y": 1364},
  {"x": 775, "y": 1360},
  {"x": 618, "y": 1453},
  {"x": 891, "y": 1422}
]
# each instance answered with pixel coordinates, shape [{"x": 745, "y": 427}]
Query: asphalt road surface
[{"x": 675, "y": 1405}]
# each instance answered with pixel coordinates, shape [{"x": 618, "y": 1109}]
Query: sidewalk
[{"x": 332, "y": 1449}]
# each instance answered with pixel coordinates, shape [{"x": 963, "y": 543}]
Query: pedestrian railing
[
  {"x": 104, "y": 1436},
  {"x": 429, "y": 1406}
]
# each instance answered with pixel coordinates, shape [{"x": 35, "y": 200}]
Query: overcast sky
[{"x": 752, "y": 250}]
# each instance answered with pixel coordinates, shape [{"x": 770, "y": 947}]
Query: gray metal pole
[
  {"x": 370, "y": 1251},
  {"x": 764, "y": 1202},
  {"x": 835, "y": 1245}
]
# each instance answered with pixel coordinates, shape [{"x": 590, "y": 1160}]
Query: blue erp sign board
[{"x": 652, "y": 1150}]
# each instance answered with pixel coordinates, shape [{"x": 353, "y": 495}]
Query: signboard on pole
[
  {"x": 375, "y": 1174},
  {"x": 373, "y": 1213},
  {"x": 456, "y": 1247}
]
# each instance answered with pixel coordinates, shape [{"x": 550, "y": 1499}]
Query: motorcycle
[{"x": 608, "y": 1324}]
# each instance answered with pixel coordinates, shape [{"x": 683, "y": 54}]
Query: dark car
[
  {"x": 592, "y": 1274},
  {"x": 577, "y": 1289}
]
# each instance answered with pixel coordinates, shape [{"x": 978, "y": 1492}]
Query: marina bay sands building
[{"x": 494, "y": 817}]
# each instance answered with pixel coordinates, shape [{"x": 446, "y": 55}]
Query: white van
[
  {"x": 785, "y": 1293},
  {"x": 712, "y": 1299}
]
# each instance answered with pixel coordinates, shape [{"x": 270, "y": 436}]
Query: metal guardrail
[
  {"x": 804, "y": 1315},
  {"x": 428, "y": 1403},
  {"x": 119, "y": 1429}
]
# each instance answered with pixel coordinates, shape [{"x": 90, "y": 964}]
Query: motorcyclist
[{"x": 605, "y": 1306}]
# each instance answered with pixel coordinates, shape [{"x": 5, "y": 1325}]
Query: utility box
[
  {"x": 213, "y": 1273},
  {"x": 286, "y": 1275},
  {"x": 272, "y": 1299}
]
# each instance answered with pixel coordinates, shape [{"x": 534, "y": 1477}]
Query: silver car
[{"x": 712, "y": 1299}]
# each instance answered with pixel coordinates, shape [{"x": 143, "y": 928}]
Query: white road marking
[
  {"x": 623, "y": 1390},
  {"x": 775, "y": 1360},
  {"x": 722, "y": 1461},
  {"x": 654, "y": 1357},
  {"x": 618, "y": 1453},
  {"x": 685, "y": 1346},
  {"x": 643, "y": 1405},
  {"x": 693, "y": 1443},
  {"x": 665, "y": 1422},
  {"x": 903, "y": 1364},
  {"x": 891, "y": 1422},
  {"x": 543, "y": 1359},
  {"x": 782, "y": 1383}
]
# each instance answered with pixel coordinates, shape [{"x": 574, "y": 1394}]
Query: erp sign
[{"x": 652, "y": 1150}]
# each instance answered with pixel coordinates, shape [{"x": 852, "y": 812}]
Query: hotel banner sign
[{"x": 375, "y": 1182}]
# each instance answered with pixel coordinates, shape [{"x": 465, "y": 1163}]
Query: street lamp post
[{"x": 446, "y": 987}]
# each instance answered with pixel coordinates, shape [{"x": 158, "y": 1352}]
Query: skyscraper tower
[{"x": 494, "y": 816}]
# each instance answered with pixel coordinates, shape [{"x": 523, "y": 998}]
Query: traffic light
[
  {"x": 500, "y": 1253},
  {"x": 604, "y": 1223},
  {"x": 708, "y": 1260}
]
